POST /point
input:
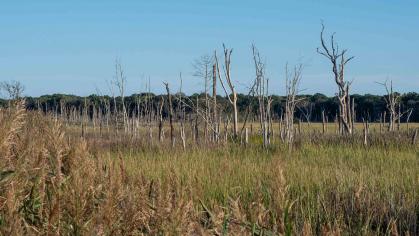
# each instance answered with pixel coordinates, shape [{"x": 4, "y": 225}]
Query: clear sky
[{"x": 70, "y": 46}]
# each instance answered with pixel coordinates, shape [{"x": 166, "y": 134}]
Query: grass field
[{"x": 55, "y": 182}]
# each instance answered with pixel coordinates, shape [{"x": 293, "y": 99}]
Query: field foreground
[{"x": 52, "y": 181}]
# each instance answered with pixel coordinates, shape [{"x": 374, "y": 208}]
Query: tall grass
[{"x": 53, "y": 182}]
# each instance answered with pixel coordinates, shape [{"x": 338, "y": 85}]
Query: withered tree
[
  {"x": 292, "y": 80},
  {"x": 214, "y": 100},
  {"x": 232, "y": 95},
  {"x": 14, "y": 89},
  {"x": 339, "y": 60},
  {"x": 393, "y": 105},
  {"x": 120, "y": 82},
  {"x": 261, "y": 88},
  {"x": 202, "y": 70},
  {"x": 169, "y": 102}
]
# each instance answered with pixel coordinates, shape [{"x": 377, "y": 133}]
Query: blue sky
[{"x": 71, "y": 46}]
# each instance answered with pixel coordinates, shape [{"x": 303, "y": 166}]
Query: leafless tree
[
  {"x": 214, "y": 100},
  {"x": 306, "y": 109},
  {"x": 120, "y": 82},
  {"x": 338, "y": 60},
  {"x": 202, "y": 67},
  {"x": 161, "y": 104},
  {"x": 262, "y": 93},
  {"x": 14, "y": 89},
  {"x": 393, "y": 105},
  {"x": 366, "y": 131},
  {"x": 292, "y": 80},
  {"x": 232, "y": 94},
  {"x": 182, "y": 115},
  {"x": 169, "y": 98}
]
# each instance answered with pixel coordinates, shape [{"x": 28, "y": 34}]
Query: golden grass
[{"x": 57, "y": 183}]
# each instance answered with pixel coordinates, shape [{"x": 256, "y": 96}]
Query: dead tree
[
  {"x": 182, "y": 116},
  {"x": 306, "y": 109},
  {"x": 214, "y": 101},
  {"x": 196, "y": 126},
  {"x": 113, "y": 112},
  {"x": 169, "y": 98},
  {"x": 261, "y": 89},
  {"x": 232, "y": 96},
  {"x": 119, "y": 82},
  {"x": 292, "y": 80},
  {"x": 338, "y": 60},
  {"x": 323, "y": 122},
  {"x": 392, "y": 100},
  {"x": 202, "y": 67},
  {"x": 14, "y": 90},
  {"x": 366, "y": 131},
  {"x": 161, "y": 119}
]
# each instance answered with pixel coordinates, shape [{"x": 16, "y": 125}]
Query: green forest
[{"x": 368, "y": 107}]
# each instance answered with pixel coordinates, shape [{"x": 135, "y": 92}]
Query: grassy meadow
[{"x": 55, "y": 182}]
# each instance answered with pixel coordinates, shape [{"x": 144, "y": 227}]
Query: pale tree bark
[
  {"x": 202, "y": 68},
  {"x": 338, "y": 60},
  {"x": 292, "y": 80},
  {"x": 232, "y": 94},
  {"x": 366, "y": 131},
  {"x": 214, "y": 101},
  {"x": 120, "y": 81},
  {"x": 182, "y": 118},
  {"x": 262, "y": 93},
  {"x": 161, "y": 119},
  {"x": 393, "y": 106}
]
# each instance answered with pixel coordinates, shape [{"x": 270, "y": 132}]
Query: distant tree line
[{"x": 369, "y": 107}]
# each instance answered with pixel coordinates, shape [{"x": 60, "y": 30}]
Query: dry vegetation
[
  {"x": 55, "y": 182},
  {"x": 195, "y": 168}
]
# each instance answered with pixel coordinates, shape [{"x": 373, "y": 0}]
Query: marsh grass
[{"x": 53, "y": 182}]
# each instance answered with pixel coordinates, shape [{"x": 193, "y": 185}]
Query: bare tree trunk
[
  {"x": 196, "y": 129},
  {"x": 182, "y": 121},
  {"x": 353, "y": 115},
  {"x": 292, "y": 81},
  {"x": 338, "y": 61},
  {"x": 172, "y": 137},
  {"x": 235, "y": 118},
  {"x": 207, "y": 115},
  {"x": 262, "y": 90},
  {"x": 393, "y": 107},
  {"x": 214, "y": 97},
  {"x": 120, "y": 81},
  {"x": 161, "y": 119},
  {"x": 183, "y": 135},
  {"x": 365, "y": 133},
  {"x": 232, "y": 97}
]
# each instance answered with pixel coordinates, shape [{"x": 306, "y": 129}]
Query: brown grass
[{"x": 56, "y": 183}]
